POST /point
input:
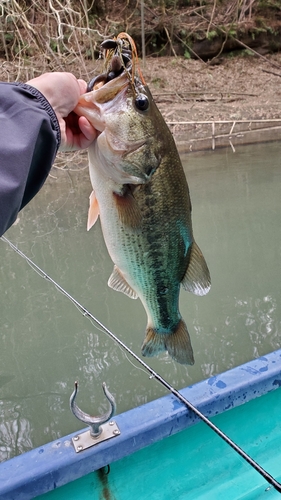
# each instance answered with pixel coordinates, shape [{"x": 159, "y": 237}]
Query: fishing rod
[{"x": 273, "y": 482}]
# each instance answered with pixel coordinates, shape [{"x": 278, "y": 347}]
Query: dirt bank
[
  {"x": 238, "y": 89},
  {"x": 244, "y": 91}
]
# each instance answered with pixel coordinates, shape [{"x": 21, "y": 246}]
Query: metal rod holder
[{"x": 101, "y": 427}]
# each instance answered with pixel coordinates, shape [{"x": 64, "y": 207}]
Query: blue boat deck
[
  {"x": 195, "y": 464},
  {"x": 192, "y": 461}
]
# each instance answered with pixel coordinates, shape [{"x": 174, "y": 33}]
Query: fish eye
[{"x": 142, "y": 102}]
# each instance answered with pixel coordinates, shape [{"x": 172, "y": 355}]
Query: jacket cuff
[{"x": 45, "y": 105}]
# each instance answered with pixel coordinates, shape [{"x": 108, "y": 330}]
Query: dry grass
[
  {"x": 48, "y": 35},
  {"x": 38, "y": 36}
]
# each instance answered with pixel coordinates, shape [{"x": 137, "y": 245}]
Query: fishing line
[
  {"x": 118, "y": 345},
  {"x": 153, "y": 374}
]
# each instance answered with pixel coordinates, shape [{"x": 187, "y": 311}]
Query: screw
[
  {"x": 116, "y": 432},
  {"x": 79, "y": 448},
  {"x": 76, "y": 438},
  {"x": 111, "y": 422}
]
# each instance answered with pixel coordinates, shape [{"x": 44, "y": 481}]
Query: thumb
[{"x": 82, "y": 86}]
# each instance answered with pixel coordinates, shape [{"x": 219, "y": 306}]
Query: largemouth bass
[{"x": 141, "y": 195}]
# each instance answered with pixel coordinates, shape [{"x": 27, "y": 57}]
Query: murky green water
[{"x": 46, "y": 344}]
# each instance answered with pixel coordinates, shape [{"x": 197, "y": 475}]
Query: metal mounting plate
[{"x": 85, "y": 440}]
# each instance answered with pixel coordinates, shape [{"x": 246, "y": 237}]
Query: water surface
[{"x": 46, "y": 344}]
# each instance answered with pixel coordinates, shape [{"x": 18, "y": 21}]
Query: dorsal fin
[
  {"x": 93, "y": 212},
  {"x": 118, "y": 283},
  {"x": 197, "y": 277}
]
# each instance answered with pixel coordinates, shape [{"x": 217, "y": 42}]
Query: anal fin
[
  {"x": 197, "y": 277},
  {"x": 118, "y": 283}
]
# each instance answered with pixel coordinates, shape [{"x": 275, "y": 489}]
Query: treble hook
[{"x": 94, "y": 422}]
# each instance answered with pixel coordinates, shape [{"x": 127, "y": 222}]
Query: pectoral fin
[
  {"x": 118, "y": 283},
  {"x": 93, "y": 212},
  {"x": 197, "y": 277},
  {"x": 129, "y": 212}
]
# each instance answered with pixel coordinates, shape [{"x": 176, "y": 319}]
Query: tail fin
[{"x": 177, "y": 344}]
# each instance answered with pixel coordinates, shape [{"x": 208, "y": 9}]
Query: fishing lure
[{"x": 120, "y": 55}]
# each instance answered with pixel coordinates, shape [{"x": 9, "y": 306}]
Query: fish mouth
[
  {"x": 95, "y": 105},
  {"x": 104, "y": 88},
  {"x": 96, "y": 102}
]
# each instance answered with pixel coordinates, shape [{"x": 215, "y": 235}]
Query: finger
[{"x": 87, "y": 129}]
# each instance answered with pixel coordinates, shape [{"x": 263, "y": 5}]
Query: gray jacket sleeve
[{"x": 29, "y": 140}]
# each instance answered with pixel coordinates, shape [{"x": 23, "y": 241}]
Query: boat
[{"x": 162, "y": 449}]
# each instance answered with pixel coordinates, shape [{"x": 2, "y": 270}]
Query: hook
[{"x": 94, "y": 422}]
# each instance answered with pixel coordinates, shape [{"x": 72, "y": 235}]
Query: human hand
[{"x": 63, "y": 90}]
